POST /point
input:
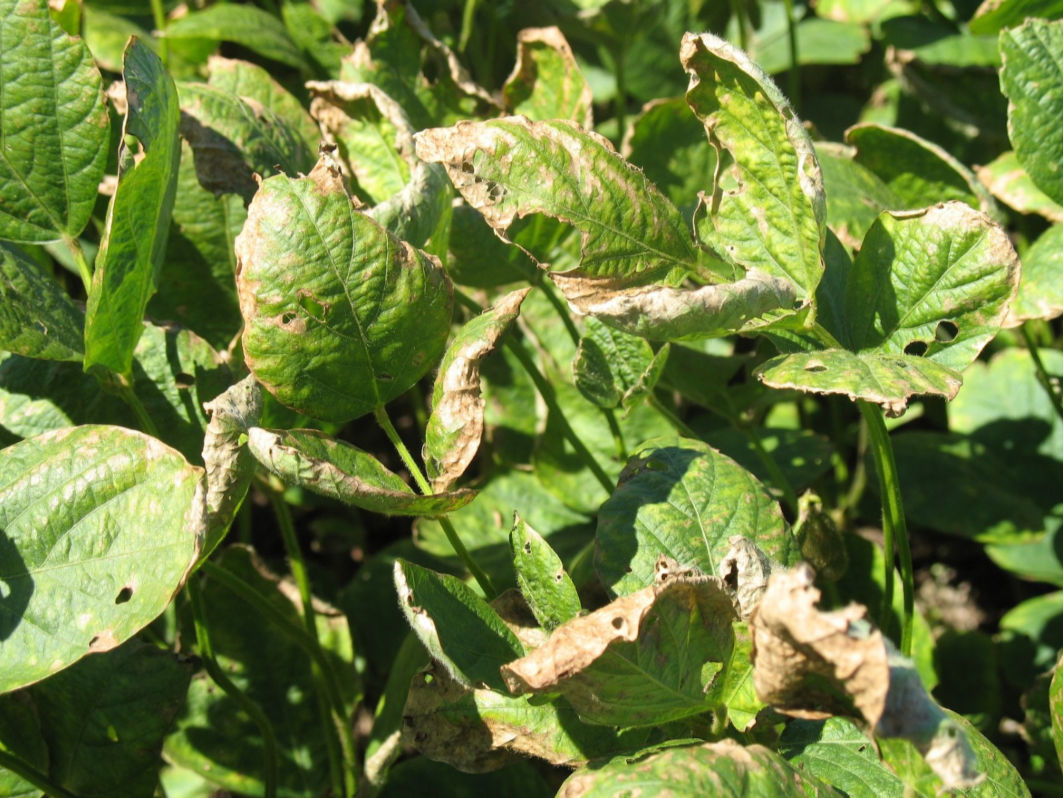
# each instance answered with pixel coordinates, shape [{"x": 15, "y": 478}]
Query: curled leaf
[
  {"x": 313, "y": 460},
  {"x": 745, "y": 569},
  {"x": 453, "y": 432},
  {"x": 546, "y": 82}
]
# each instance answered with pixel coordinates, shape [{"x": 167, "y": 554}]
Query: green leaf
[
  {"x": 546, "y": 82},
  {"x": 917, "y": 171},
  {"x": 511, "y": 167},
  {"x": 737, "y": 691},
  {"x": 931, "y": 42},
  {"x": 546, "y": 586},
  {"x": 612, "y": 368},
  {"x": 56, "y": 128},
  {"x": 1039, "y": 619},
  {"x": 260, "y": 653},
  {"x": 819, "y": 41},
  {"x": 313, "y": 460},
  {"x": 247, "y": 26},
  {"x": 122, "y": 702},
  {"x": 479, "y": 258},
  {"x": 100, "y": 526},
  {"x": 37, "y": 318},
  {"x": 855, "y": 194},
  {"x": 837, "y": 752},
  {"x": 994, "y": 15},
  {"x": 138, "y": 218},
  {"x": 453, "y": 431},
  {"x": 1036, "y": 560},
  {"x": 802, "y": 456},
  {"x": 684, "y": 500},
  {"x": 647, "y": 658},
  {"x": 724, "y": 768},
  {"x": 522, "y": 779},
  {"x": 313, "y": 34},
  {"x": 1031, "y": 78},
  {"x": 459, "y": 629},
  {"x": 767, "y": 212},
  {"x": 20, "y": 736},
  {"x": 861, "y": 10},
  {"x": 935, "y": 282},
  {"x": 1009, "y": 182},
  {"x": 340, "y": 316},
  {"x": 1056, "y": 707},
  {"x": 236, "y": 138},
  {"x": 888, "y": 380}
]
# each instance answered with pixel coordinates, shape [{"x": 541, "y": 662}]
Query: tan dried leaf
[{"x": 745, "y": 569}]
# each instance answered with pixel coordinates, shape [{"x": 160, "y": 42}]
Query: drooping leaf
[
  {"x": 647, "y": 658},
  {"x": 340, "y": 316},
  {"x": 837, "y": 752},
  {"x": 56, "y": 129},
  {"x": 685, "y": 500},
  {"x": 767, "y": 212},
  {"x": 122, "y": 702},
  {"x": 546, "y": 82},
  {"x": 460, "y": 630},
  {"x": 1009, "y": 182},
  {"x": 886, "y": 379},
  {"x": 541, "y": 577},
  {"x": 512, "y": 167},
  {"x": 37, "y": 318},
  {"x": 315, "y": 461},
  {"x": 935, "y": 282},
  {"x": 1032, "y": 79},
  {"x": 138, "y": 218},
  {"x": 236, "y": 138},
  {"x": 453, "y": 431},
  {"x": 919, "y": 172},
  {"x": 724, "y": 768},
  {"x": 248, "y": 26},
  {"x": 100, "y": 526},
  {"x": 612, "y": 368}
]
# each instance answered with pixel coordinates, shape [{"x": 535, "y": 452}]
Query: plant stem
[
  {"x": 1044, "y": 377},
  {"x": 793, "y": 78},
  {"x": 740, "y": 21},
  {"x": 129, "y": 396},
  {"x": 24, "y": 771},
  {"x": 778, "y": 477},
  {"x": 426, "y": 489},
  {"x": 469, "y": 10},
  {"x": 158, "y": 14},
  {"x": 84, "y": 270},
  {"x": 214, "y": 670},
  {"x": 337, "y": 759},
  {"x": 620, "y": 53},
  {"x": 895, "y": 535}
]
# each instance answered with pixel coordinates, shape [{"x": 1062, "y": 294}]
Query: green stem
[
  {"x": 778, "y": 477},
  {"x": 426, "y": 489},
  {"x": 84, "y": 270},
  {"x": 559, "y": 308},
  {"x": 550, "y": 398},
  {"x": 469, "y": 10},
  {"x": 24, "y": 771},
  {"x": 793, "y": 77},
  {"x": 1043, "y": 375},
  {"x": 158, "y": 14},
  {"x": 129, "y": 396},
  {"x": 620, "y": 53},
  {"x": 214, "y": 670},
  {"x": 677, "y": 423},
  {"x": 895, "y": 535},
  {"x": 740, "y": 20},
  {"x": 337, "y": 756}
]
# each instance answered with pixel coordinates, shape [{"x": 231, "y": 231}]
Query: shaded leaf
[
  {"x": 454, "y": 429},
  {"x": 340, "y": 316},
  {"x": 37, "y": 318},
  {"x": 855, "y": 194},
  {"x": 837, "y": 752},
  {"x": 685, "y": 500},
  {"x": 646, "y": 658},
  {"x": 56, "y": 129},
  {"x": 459, "y": 629},
  {"x": 1056, "y": 707},
  {"x": 1031, "y": 78},
  {"x": 888, "y": 380},
  {"x": 546, "y": 82},
  {"x": 315, "y": 461},
  {"x": 993, "y": 15},
  {"x": 541, "y": 577},
  {"x": 100, "y": 527},
  {"x": 247, "y": 26},
  {"x": 138, "y": 218},
  {"x": 767, "y": 211},
  {"x": 612, "y": 368},
  {"x": 1009, "y": 182}
]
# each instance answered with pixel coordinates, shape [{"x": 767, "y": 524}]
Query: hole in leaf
[
  {"x": 558, "y": 576},
  {"x": 618, "y": 623},
  {"x": 288, "y": 318},
  {"x": 312, "y": 307},
  {"x": 916, "y": 348},
  {"x": 945, "y": 331},
  {"x": 383, "y": 377},
  {"x": 467, "y": 167},
  {"x": 816, "y": 367},
  {"x": 528, "y": 547},
  {"x": 124, "y": 595},
  {"x": 184, "y": 381}
]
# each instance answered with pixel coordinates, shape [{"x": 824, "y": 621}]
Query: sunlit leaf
[
  {"x": 546, "y": 586},
  {"x": 546, "y": 82}
]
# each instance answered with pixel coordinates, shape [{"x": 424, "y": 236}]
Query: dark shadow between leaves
[{"x": 16, "y": 586}]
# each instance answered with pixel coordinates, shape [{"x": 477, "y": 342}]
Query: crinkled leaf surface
[
  {"x": 1009, "y": 182},
  {"x": 546, "y": 82},
  {"x": 646, "y": 658},
  {"x": 37, "y": 318},
  {"x": 886, "y": 379},
  {"x": 935, "y": 282},
  {"x": 460, "y": 630},
  {"x": 512, "y": 167},
  {"x": 1031, "y": 78},
  {"x": 541, "y": 577},
  {"x": 138, "y": 218},
  {"x": 340, "y": 316},
  {"x": 685, "y": 500},
  {"x": 315, "y": 461},
  {"x": 837, "y": 752},
  {"x": 251, "y": 27},
  {"x": 56, "y": 129},
  {"x": 612, "y": 367},
  {"x": 724, "y": 768},
  {"x": 453, "y": 431},
  {"x": 768, "y": 211},
  {"x": 103, "y": 719},
  {"x": 919, "y": 172},
  {"x": 99, "y": 528}
]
